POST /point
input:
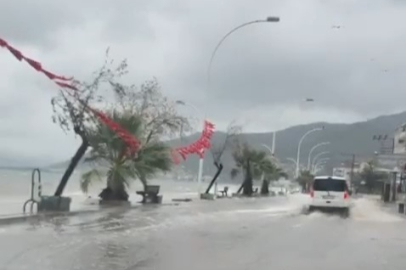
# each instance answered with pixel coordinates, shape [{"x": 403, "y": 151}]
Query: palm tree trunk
[
  {"x": 247, "y": 189},
  {"x": 73, "y": 163},
  {"x": 265, "y": 187},
  {"x": 114, "y": 192},
  {"x": 219, "y": 169}
]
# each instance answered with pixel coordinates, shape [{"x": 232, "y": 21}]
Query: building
[
  {"x": 399, "y": 140},
  {"x": 345, "y": 171}
]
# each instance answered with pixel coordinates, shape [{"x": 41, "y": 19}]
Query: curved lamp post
[
  {"x": 292, "y": 160},
  {"x": 319, "y": 163},
  {"x": 267, "y": 147},
  {"x": 311, "y": 152},
  {"x": 267, "y": 20},
  {"x": 300, "y": 144},
  {"x": 318, "y": 167},
  {"x": 317, "y": 156},
  {"x": 183, "y": 103}
]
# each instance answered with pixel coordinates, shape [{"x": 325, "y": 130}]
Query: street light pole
[
  {"x": 292, "y": 160},
  {"x": 311, "y": 152},
  {"x": 317, "y": 156},
  {"x": 300, "y": 144},
  {"x": 273, "y": 142},
  {"x": 273, "y": 158},
  {"x": 267, "y": 147},
  {"x": 201, "y": 160},
  {"x": 319, "y": 163},
  {"x": 267, "y": 20},
  {"x": 318, "y": 167}
]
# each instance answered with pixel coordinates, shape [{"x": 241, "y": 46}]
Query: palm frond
[
  {"x": 87, "y": 178},
  {"x": 107, "y": 149}
]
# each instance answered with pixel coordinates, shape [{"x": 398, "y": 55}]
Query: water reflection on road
[{"x": 225, "y": 234}]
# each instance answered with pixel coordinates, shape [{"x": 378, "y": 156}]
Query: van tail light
[
  {"x": 346, "y": 195},
  {"x": 311, "y": 193}
]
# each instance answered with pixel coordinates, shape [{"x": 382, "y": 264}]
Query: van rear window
[{"x": 329, "y": 184}]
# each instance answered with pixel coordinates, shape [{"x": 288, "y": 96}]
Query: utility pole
[{"x": 352, "y": 169}]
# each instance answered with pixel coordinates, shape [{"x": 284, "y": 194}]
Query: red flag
[
  {"x": 15, "y": 52},
  {"x": 183, "y": 152},
  {"x": 37, "y": 65},
  {"x": 132, "y": 143},
  {"x": 33, "y": 63},
  {"x": 208, "y": 124},
  {"x": 53, "y": 76},
  {"x": 3, "y": 43}
]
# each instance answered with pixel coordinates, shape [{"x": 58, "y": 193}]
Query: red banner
[{"x": 198, "y": 147}]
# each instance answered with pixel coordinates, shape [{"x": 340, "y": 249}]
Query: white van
[{"x": 330, "y": 192}]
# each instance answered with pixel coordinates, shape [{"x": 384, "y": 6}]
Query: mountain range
[{"x": 345, "y": 140}]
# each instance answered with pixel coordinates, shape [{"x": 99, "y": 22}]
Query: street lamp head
[
  {"x": 272, "y": 19},
  {"x": 180, "y": 102}
]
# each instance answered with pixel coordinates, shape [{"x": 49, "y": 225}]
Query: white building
[
  {"x": 345, "y": 171},
  {"x": 399, "y": 143}
]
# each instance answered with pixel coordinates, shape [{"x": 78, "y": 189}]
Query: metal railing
[{"x": 32, "y": 200}]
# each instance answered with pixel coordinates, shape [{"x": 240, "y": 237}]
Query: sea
[{"x": 15, "y": 190}]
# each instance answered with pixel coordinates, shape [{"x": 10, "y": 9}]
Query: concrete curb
[
  {"x": 31, "y": 218},
  {"x": 27, "y": 218}
]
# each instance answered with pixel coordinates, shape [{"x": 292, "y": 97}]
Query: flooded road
[{"x": 225, "y": 234}]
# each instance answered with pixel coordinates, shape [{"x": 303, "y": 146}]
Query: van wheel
[
  {"x": 310, "y": 210},
  {"x": 345, "y": 213}
]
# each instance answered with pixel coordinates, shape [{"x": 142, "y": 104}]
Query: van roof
[{"x": 329, "y": 176}]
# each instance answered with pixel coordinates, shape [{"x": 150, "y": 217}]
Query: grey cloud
[
  {"x": 34, "y": 22},
  {"x": 281, "y": 64},
  {"x": 261, "y": 69}
]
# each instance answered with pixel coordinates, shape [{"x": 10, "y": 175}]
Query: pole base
[
  {"x": 54, "y": 204},
  {"x": 207, "y": 196}
]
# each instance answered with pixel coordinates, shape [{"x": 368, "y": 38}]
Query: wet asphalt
[{"x": 270, "y": 233}]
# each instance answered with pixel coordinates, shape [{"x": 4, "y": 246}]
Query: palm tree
[
  {"x": 252, "y": 163},
  {"x": 371, "y": 176},
  {"x": 305, "y": 179},
  {"x": 109, "y": 151},
  {"x": 270, "y": 173}
]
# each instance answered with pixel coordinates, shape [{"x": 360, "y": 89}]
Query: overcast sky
[{"x": 261, "y": 74}]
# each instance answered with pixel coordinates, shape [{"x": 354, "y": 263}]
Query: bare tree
[
  {"x": 159, "y": 113},
  {"x": 71, "y": 110},
  {"x": 217, "y": 150}
]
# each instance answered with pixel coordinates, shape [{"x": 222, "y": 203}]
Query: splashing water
[{"x": 365, "y": 209}]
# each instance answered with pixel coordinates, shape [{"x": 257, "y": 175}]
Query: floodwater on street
[{"x": 261, "y": 233}]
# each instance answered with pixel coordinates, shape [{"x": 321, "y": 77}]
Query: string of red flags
[
  {"x": 198, "y": 147},
  {"x": 132, "y": 143},
  {"x": 61, "y": 81}
]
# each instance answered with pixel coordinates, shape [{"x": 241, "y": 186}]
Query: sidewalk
[
  {"x": 22, "y": 218},
  {"x": 392, "y": 207},
  {"x": 77, "y": 209}
]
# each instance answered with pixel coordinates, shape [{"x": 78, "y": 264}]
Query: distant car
[{"x": 330, "y": 193}]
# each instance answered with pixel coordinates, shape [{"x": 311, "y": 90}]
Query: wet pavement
[{"x": 267, "y": 233}]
